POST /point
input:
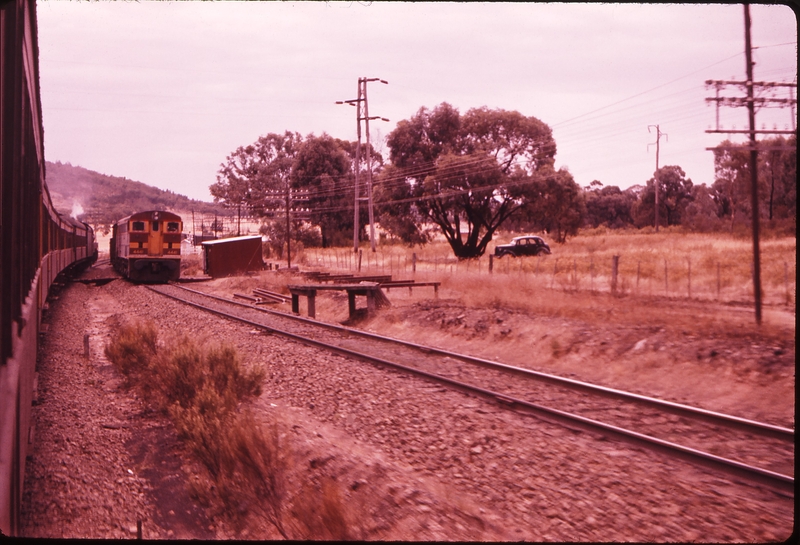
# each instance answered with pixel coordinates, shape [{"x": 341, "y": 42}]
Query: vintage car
[{"x": 520, "y": 246}]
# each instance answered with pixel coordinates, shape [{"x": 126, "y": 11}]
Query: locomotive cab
[{"x": 146, "y": 247}]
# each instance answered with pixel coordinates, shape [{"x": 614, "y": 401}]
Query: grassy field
[{"x": 712, "y": 267}]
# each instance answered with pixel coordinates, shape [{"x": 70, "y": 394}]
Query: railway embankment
[{"x": 409, "y": 459}]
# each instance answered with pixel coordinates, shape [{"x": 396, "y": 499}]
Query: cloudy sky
[{"x": 162, "y": 92}]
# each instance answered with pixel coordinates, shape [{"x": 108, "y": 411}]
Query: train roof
[
  {"x": 152, "y": 215},
  {"x": 72, "y": 221}
]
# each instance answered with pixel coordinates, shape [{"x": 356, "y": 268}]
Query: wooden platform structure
[
  {"x": 371, "y": 290},
  {"x": 385, "y": 281}
]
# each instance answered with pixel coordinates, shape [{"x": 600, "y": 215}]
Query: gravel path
[{"x": 416, "y": 460}]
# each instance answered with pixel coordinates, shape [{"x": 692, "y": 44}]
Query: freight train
[
  {"x": 37, "y": 244},
  {"x": 146, "y": 246}
]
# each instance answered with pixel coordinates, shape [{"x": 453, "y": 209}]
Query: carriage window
[
  {"x": 137, "y": 226},
  {"x": 155, "y": 226},
  {"x": 172, "y": 227}
]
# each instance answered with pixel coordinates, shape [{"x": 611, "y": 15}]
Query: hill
[{"x": 100, "y": 199}]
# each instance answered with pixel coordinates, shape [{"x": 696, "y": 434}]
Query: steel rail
[
  {"x": 785, "y": 483},
  {"x": 732, "y": 421}
]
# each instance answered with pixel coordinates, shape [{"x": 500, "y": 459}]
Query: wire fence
[{"x": 689, "y": 277}]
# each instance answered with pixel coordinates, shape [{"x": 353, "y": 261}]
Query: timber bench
[{"x": 372, "y": 291}]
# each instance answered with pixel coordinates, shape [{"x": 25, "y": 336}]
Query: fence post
[
  {"x": 414, "y": 262},
  {"x": 614, "y": 271},
  {"x": 491, "y": 263},
  {"x": 689, "y": 275},
  {"x": 638, "y": 274},
  {"x": 555, "y": 268},
  {"x": 786, "y": 281},
  {"x": 574, "y": 275},
  {"x": 359, "y": 260}
]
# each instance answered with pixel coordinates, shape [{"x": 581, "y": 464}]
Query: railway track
[{"x": 752, "y": 450}]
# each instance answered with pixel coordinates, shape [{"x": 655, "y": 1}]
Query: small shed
[{"x": 231, "y": 256}]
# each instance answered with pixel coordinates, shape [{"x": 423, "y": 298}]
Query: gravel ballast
[{"x": 413, "y": 459}]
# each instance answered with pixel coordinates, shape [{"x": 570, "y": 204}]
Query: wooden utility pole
[
  {"x": 750, "y": 101},
  {"x": 751, "y": 113},
  {"x": 369, "y": 171},
  {"x": 362, "y": 114},
  {"x": 288, "y": 224},
  {"x": 357, "y": 169},
  {"x": 658, "y": 147}
]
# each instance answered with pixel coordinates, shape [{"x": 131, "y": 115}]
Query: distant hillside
[{"x": 101, "y": 200}]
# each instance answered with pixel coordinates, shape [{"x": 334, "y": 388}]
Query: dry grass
[
  {"x": 191, "y": 264},
  {"x": 320, "y": 513},
  {"x": 670, "y": 264},
  {"x": 204, "y": 390},
  {"x": 575, "y": 281}
]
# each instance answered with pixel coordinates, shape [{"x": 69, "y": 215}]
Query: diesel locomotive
[{"x": 146, "y": 246}]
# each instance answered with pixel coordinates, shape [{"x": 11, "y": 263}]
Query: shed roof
[{"x": 231, "y": 239}]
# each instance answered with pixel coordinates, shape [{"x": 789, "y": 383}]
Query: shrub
[
  {"x": 201, "y": 391},
  {"x": 132, "y": 349}
]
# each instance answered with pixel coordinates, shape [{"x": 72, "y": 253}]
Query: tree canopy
[
  {"x": 675, "y": 194},
  {"x": 256, "y": 175},
  {"x": 312, "y": 173},
  {"x": 777, "y": 179},
  {"x": 608, "y": 206},
  {"x": 457, "y": 171},
  {"x": 554, "y": 203}
]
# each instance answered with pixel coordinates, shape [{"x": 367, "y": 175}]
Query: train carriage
[
  {"x": 146, "y": 246},
  {"x": 37, "y": 244}
]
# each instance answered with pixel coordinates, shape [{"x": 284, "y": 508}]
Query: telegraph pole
[
  {"x": 288, "y": 225},
  {"x": 751, "y": 114},
  {"x": 750, "y": 101},
  {"x": 362, "y": 114},
  {"x": 369, "y": 171},
  {"x": 657, "y": 143}
]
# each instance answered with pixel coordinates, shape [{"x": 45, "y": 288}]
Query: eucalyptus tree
[
  {"x": 257, "y": 176},
  {"x": 464, "y": 173}
]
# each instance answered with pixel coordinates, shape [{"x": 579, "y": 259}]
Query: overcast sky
[{"x": 163, "y": 92}]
